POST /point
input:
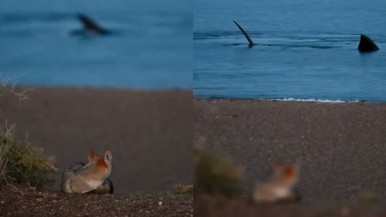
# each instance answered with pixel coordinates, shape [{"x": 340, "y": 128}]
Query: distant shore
[
  {"x": 147, "y": 131},
  {"x": 341, "y": 146}
]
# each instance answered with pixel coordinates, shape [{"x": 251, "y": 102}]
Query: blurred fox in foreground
[
  {"x": 280, "y": 187},
  {"x": 90, "y": 177}
]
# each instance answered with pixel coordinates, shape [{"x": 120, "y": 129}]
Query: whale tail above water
[
  {"x": 90, "y": 26},
  {"x": 366, "y": 44},
  {"x": 245, "y": 34}
]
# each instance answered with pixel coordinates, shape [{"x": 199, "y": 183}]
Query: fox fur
[
  {"x": 83, "y": 178},
  {"x": 280, "y": 187}
]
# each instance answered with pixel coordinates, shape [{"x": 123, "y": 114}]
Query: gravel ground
[
  {"x": 216, "y": 206},
  {"x": 26, "y": 201}
]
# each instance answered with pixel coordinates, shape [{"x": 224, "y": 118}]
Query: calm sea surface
[
  {"x": 306, "y": 49},
  {"x": 150, "y": 45}
]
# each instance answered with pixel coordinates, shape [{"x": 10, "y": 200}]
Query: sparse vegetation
[
  {"x": 213, "y": 174},
  {"x": 22, "y": 162},
  {"x": 184, "y": 192},
  {"x": 183, "y": 189},
  {"x": 367, "y": 198}
]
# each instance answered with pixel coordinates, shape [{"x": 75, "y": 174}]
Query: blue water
[
  {"x": 150, "y": 45},
  {"x": 306, "y": 49}
]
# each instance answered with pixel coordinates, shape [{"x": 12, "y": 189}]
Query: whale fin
[
  {"x": 91, "y": 26},
  {"x": 366, "y": 44},
  {"x": 245, "y": 34}
]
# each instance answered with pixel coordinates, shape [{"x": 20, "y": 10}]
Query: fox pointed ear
[
  {"x": 290, "y": 170},
  {"x": 91, "y": 155},
  {"x": 108, "y": 156}
]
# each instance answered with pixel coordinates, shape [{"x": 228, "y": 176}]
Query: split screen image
[{"x": 192, "y": 108}]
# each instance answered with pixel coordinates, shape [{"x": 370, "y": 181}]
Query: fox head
[
  {"x": 286, "y": 172},
  {"x": 103, "y": 161}
]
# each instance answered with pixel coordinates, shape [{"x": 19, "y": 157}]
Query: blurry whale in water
[
  {"x": 89, "y": 27},
  {"x": 245, "y": 34},
  {"x": 366, "y": 44}
]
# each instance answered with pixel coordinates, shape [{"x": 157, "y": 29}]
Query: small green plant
[
  {"x": 22, "y": 162},
  {"x": 183, "y": 192},
  {"x": 183, "y": 189},
  {"x": 213, "y": 174},
  {"x": 367, "y": 198}
]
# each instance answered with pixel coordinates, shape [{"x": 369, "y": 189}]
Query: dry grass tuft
[
  {"x": 213, "y": 174},
  {"x": 22, "y": 162},
  {"x": 183, "y": 189}
]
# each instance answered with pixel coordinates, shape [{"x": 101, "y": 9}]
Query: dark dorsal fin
[
  {"x": 366, "y": 44},
  {"x": 245, "y": 34},
  {"x": 90, "y": 25}
]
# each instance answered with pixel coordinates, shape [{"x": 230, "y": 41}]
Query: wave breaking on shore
[{"x": 316, "y": 100}]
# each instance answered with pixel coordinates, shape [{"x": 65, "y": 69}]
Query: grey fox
[
  {"x": 90, "y": 177},
  {"x": 280, "y": 187}
]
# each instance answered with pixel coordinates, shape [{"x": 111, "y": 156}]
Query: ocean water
[
  {"x": 150, "y": 45},
  {"x": 305, "y": 49}
]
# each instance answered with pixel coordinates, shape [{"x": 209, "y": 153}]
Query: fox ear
[
  {"x": 108, "y": 156},
  {"x": 290, "y": 170},
  {"x": 91, "y": 155}
]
